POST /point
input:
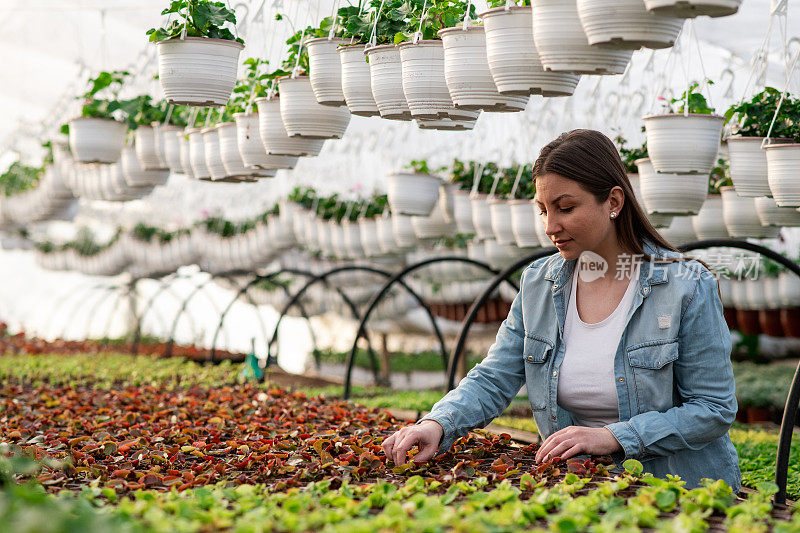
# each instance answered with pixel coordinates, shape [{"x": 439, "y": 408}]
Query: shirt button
[
  {"x": 554, "y": 417},
  {"x": 555, "y": 286},
  {"x": 622, "y": 380},
  {"x": 530, "y": 358},
  {"x": 646, "y": 290},
  {"x": 555, "y": 373}
]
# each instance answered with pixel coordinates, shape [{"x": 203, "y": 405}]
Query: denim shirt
[{"x": 672, "y": 369}]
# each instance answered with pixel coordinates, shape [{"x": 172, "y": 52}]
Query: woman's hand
[
  {"x": 574, "y": 440},
  {"x": 427, "y": 435}
]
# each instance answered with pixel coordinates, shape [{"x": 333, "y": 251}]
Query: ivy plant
[
  {"x": 200, "y": 18},
  {"x": 753, "y": 117}
]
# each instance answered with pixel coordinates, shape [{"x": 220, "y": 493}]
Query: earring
[{"x": 613, "y": 215}]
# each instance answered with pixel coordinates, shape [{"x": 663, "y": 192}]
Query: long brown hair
[{"x": 591, "y": 159}]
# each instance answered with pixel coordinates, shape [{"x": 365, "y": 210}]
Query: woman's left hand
[{"x": 574, "y": 440}]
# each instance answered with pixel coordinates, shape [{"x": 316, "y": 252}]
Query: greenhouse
[{"x": 400, "y": 265}]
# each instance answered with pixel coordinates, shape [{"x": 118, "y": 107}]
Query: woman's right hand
[{"x": 426, "y": 434}]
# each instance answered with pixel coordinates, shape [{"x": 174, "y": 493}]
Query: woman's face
[{"x": 573, "y": 219}]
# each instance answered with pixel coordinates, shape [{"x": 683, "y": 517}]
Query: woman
[{"x": 631, "y": 361}]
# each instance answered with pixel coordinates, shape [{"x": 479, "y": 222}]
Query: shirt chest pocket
[
  {"x": 651, "y": 364},
  {"x": 537, "y": 354}
]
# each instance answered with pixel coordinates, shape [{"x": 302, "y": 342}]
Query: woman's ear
[{"x": 616, "y": 199}]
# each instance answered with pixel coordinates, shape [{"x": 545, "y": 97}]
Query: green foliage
[
  {"x": 762, "y": 385},
  {"x": 438, "y": 15},
  {"x": 428, "y": 361},
  {"x": 757, "y": 451},
  {"x": 752, "y": 118},
  {"x": 696, "y": 101},
  {"x": 303, "y": 195},
  {"x": 226, "y": 228},
  {"x": 502, "y": 3},
  {"x": 462, "y": 174},
  {"x": 629, "y": 156},
  {"x": 201, "y": 18},
  {"x": 110, "y": 84},
  {"x": 146, "y": 233},
  {"x": 19, "y": 178},
  {"x": 420, "y": 166},
  {"x": 720, "y": 177}
]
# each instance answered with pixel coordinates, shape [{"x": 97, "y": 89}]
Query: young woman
[{"x": 620, "y": 341}]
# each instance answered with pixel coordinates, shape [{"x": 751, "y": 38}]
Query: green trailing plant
[
  {"x": 505, "y": 185},
  {"x": 199, "y": 18},
  {"x": 438, "y": 15},
  {"x": 304, "y": 196},
  {"x": 421, "y": 166},
  {"x": 462, "y": 174},
  {"x": 629, "y": 156},
  {"x": 753, "y": 117},
  {"x": 101, "y": 99},
  {"x": 502, "y": 3},
  {"x": 19, "y": 178},
  {"x": 694, "y": 98},
  {"x": 719, "y": 177}
]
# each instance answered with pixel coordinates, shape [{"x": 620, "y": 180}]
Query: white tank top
[{"x": 586, "y": 385}]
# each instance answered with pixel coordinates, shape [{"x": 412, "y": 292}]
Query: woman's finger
[
  {"x": 402, "y": 447},
  {"x": 547, "y": 447},
  {"x": 388, "y": 444}
]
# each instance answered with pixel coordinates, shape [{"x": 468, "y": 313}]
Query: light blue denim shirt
[{"x": 672, "y": 369}]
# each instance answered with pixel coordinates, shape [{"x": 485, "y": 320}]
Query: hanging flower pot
[
  {"x": 771, "y": 214},
  {"x": 708, "y": 223},
  {"x": 789, "y": 285},
  {"x": 446, "y": 192},
  {"x": 424, "y": 82},
  {"x": 146, "y": 142},
  {"x": 404, "y": 234},
  {"x": 197, "y": 154},
  {"x": 214, "y": 164},
  {"x": 356, "y": 82},
  {"x": 501, "y": 256},
  {"x": 748, "y": 164},
  {"x": 626, "y": 25},
  {"x": 229, "y": 152},
  {"x": 96, "y": 140},
  {"x": 657, "y": 220},
  {"x": 562, "y": 43},
  {"x": 386, "y": 240},
  {"x": 198, "y": 71},
  {"x": 445, "y": 124},
  {"x": 741, "y": 217},
  {"x": 433, "y": 226},
  {"x": 462, "y": 212},
  {"x": 135, "y": 176},
  {"x": 413, "y": 194},
  {"x": 683, "y": 144},
  {"x": 172, "y": 148},
  {"x": 273, "y": 134},
  {"x": 523, "y": 225},
  {"x": 303, "y": 116},
  {"x": 500, "y": 214},
  {"x": 693, "y": 8},
  {"x": 325, "y": 69},
  {"x": 467, "y": 73},
  {"x": 368, "y": 227},
  {"x": 386, "y": 77},
  {"x": 251, "y": 147},
  {"x": 482, "y": 216},
  {"x": 513, "y": 59},
  {"x": 679, "y": 232},
  {"x": 671, "y": 194},
  {"x": 783, "y": 169},
  {"x": 772, "y": 293},
  {"x": 185, "y": 147},
  {"x": 162, "y": 132}
]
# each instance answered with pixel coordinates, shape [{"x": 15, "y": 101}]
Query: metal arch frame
[
  {"x": 292, "y": 301},
  {"x": 113, "y": 291},
  {"x": 129, "y": 296},
  {"x": 64, "y": 298},
  {"x": 466, "y": 324},
  {"x": 377, "y": 297},
  {"x": 78, "y": 306},
  {"x": 793, "y": 399}
]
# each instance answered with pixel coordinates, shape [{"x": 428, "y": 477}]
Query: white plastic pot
[
  {"x": 386, "y": 77},
  {"x": 462, "y": 212},
  {"x": 356, "y": 82},
  {"x": 482, "y": 216},
  {"x": 501, "y": 256},
  {"x": 351, "y": 232},
  {"x": 445, "y": 124},
  {"x": 96, "y": 140},
  {"x": 683, "y": 144},
  {"x": 446, "y": 191},
  {"x": 679, "y": 232},
  {"x": 562, "y": 43},
  {"x": 135, "y": 176},
  {"x": 783, "y": 170},
  {"x": 513, "y": 59},
  {"x": 671, "y": 194},
  {"x": 147, "y": 148},
  {"x": 368, "y": 227},
  {"x": 772, "y": 293},
  {"x": 251, "y": 147},
  {"x": 273, "y": 134},
  {"x": 433, "y": 226},
  {"x": 197, "y": 154},
  {"x": 467, "y": 73},
  {"x": 657, "y": 220},
  {"x": 741, "y": 217},
  {"x": 172, "y": 148},
  {"x": 213, "y": 158},
  {"x": 755, "y": 292},
  {"x": 229, "y": 151},
  {"x": 693, "y": 8},
  {"x": 771, "y": 214},
  {"x": 304, "y": 117},
  {"x": 709, "y": 222},
  {"x": 404, "y": 234},
  {"x": 523, "y": 225},
  {"x": 412, "y": 194},
  {"x": 424, "y": 82},
  {"x": 748, "y": 164},
  {"x": 386, "y": 240},
  {"x": 500, "y": 213},
  {"x": 626, "y": 25},
  {"x": 789, "y": 285},
  {"x": 198, "y": 71},
  {"x": 325, "y": 70}
]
